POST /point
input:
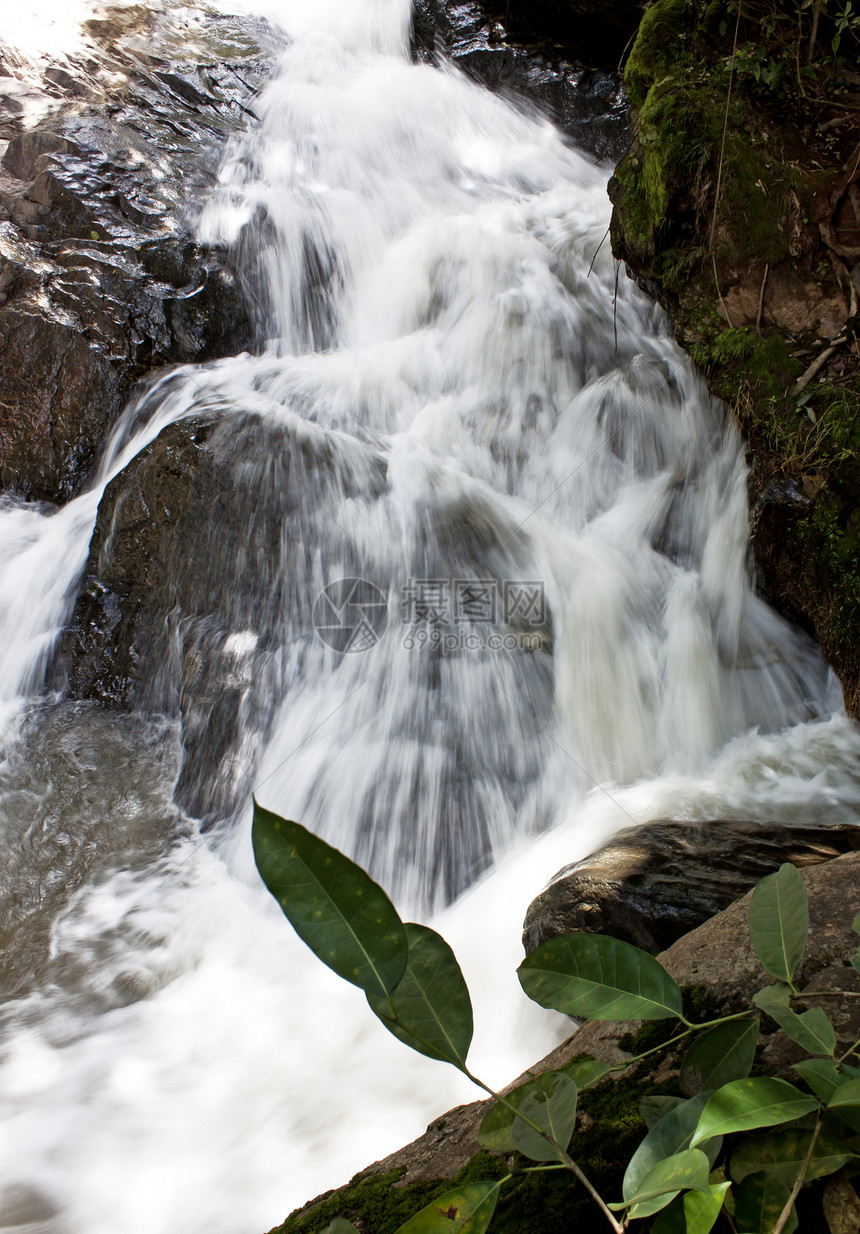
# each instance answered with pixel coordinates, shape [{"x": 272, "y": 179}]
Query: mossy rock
[{"x": 737, "y": 205}]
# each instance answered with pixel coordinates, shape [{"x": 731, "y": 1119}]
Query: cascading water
[{"x": 458, "y": 405}]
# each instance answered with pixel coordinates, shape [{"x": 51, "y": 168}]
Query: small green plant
[{"x": 413, "y": 983}]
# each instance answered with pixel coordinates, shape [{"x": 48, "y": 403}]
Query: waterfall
[{"x": 547, "y": 632}]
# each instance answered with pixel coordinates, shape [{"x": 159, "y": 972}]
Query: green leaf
[
  {"x": 496, "y": 1130},
  {"x": 781, "y": 1154},
  {"x": 845, "y": 1102},
  {"x": 746, "y": 1104},
  {"x": 340, "y": 1226},
  {"x": 552, "y": 1106},
  {"x": 599, "y": 978},
  {"x": 812, "y": 1030},
  {"x": 430, "y": 1010},
  {"x": 345, "y": 918},
  {"x": 779, "y": 921},
  {"x": 586, "y": 1071},
  {"x": 652, "y": 1108},
  {"x": 821, "y": 1074},
  {"x": 692, "y": 1213},
  {"x": 466, "y": 1210},
  {"x": 687, "y": 1169},
  {"x": 721, "y": 1054},
  {"x": 668, "y": 1137},
  {"x": 759, "y": 1200}
]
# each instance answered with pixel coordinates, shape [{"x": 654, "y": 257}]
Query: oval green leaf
[
  {"x": 720, "y": 1055},
  {"x": 652, "y": 1108},
  {"x": 496, "y": 1130},
  {"x": 782, "y": 1154},
  {"x": 692, "y": 1213},
  {"x": 345, "y": 918},
  {"x": 779, "y": 921},
  {"x": 821, "y": 1074},
  {"x": 811, "y": 1029},
  {"x": 688, "y": 1169},
  {"x": 430, "y": 1010},
  {"x": 599, "y": 978},
  {"x": 846, "y": 1099},
  {"x": 551, "y": 1104},
  {"x": 586, "y": 1071},
  {"x": 746, "y": 1104},
  {"x": 465, "y": 1210},
  {"x": 759, "y": 1200},
  {"x": 669, "y": 1136}
]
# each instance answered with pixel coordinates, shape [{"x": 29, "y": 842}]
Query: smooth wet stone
[
  {"x": 101, "y": 281},
  {"x": 651, "y": 884}
]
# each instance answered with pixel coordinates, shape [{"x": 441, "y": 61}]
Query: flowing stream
[{"x": 560, "y": 638}]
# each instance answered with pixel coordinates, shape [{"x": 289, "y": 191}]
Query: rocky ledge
[
  {"x": 103, "y": 153},
  {"x": 718, "y": 971},
  {"x": 738, "y": 205}
]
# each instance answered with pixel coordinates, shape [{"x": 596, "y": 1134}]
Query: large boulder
[
  {"x": 100, "y": 278},
  {"x": 200, "y": 571},
  {"x": 651, "y": 884}
]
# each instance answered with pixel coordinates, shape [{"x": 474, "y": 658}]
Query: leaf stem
[
  {"x": 568, "y": 1161},
  {"x": 798, "y": 1182}
]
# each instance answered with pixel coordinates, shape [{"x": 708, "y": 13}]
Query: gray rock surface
[
  {"x": 206, "y": 534},
  {"x": 576, "y": 83},
  {"x": 100, "y": 280},
  {"x": 651, "y": 884}
]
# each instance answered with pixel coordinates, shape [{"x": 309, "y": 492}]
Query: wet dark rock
[
  {"x": 100, "y": 280},
  {"x": 199, "y": 572},
  {"x": 529, "y": 61},
  {"x": 651, "y": 884}
]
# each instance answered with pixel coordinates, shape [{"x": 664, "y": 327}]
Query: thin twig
[
  {"x": 596, "y": 251},
  {"x": 798, "y": 1183},
  {"x": 813, "y": 38},
  {"x": 818, "y": 363},
  {"x": 615, "y": 307},
  {"x": 761, "y": 300},
  {"x": 720, "y": 294},
  {"x": 723, "y": 143}
]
